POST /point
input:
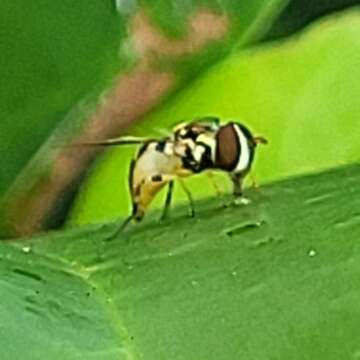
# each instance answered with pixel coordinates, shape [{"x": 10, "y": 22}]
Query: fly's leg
[
  {"x": 238, "y": 180},
  {"x": 127, "y": 221},
  {"x": 169, "y": 178},
  {"x": 120, "y": 229},
  {"x": 189, "y": 196},
  {"x": 218, "y": 189},
  {"x": 124, "y": 224},
  {"x": 168, "y": 200},
  {"x": 137, "y": 216},
  {"x": 253, "y": 180}
]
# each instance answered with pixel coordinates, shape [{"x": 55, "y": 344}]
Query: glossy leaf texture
[
  {"x": 278, "y": 278},
  {"x": 302, "y": 94}
]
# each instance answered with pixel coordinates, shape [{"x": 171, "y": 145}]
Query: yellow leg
[
  {"x": 219, "y": 190},
  {"x": 168, "y": 200},
  {"x": 169, "y": 178},
  {"x": 190, "y": 198},
  {"x": 254, "y": 183}
]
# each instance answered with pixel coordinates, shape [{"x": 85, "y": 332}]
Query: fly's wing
[
  {"x": 205, "y": 121},
  {"x": 163, "y": 132},
  {"x": 123, "y": 140}
]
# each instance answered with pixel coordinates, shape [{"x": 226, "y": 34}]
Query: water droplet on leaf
[
  {"x": 312, "y": 253},
  {"x": 26, "y": 249}
]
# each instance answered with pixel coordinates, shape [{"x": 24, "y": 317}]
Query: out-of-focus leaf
[
  {"x": 298, "y": 13},
  {"x": 54, "y": 56},
  {"x": 301, "y": 94},
  {"x": 277, "y": 279}
]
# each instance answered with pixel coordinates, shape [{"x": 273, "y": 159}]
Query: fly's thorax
[
  {"x": 182, "y": 147},
  {"x": 191, "y": 130},
  {"x": 234, "y": 148}
]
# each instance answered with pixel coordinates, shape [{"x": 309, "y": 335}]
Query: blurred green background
[{"x": 45, "y": 69}]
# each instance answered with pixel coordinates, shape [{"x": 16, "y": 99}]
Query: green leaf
[
  {"x": 278, "y": 279},
  {"x": 299, "y": 13},
  {"x": 55, "y": 56},
  {"x": 302, "y": 94}
]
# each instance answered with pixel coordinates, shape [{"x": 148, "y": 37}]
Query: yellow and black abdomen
[{"x": 154, "y": 167}]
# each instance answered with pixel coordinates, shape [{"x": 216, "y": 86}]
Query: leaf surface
[{"x": 278, "y": 278}]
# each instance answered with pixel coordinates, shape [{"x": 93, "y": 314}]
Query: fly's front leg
[
  {"x": 121, "y": 227},
  {"x": 238, "y": 180},
  {"x": 218, "y": 189},
  {"x": 253, "y": 180}
]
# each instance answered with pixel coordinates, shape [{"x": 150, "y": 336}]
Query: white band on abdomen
[{"x": 244, "y": 158}]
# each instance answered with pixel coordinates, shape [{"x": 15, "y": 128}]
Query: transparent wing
[{"x": 123, "y": 140}]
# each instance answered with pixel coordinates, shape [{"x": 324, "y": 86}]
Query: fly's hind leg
[
  {"x": 121, "y": 227},
  {"x": 124, "y": 224},
  {"x": 190, "y": 198},
  {"x": 169, "y": 178},
  {"x": 135, "y": 215}
]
